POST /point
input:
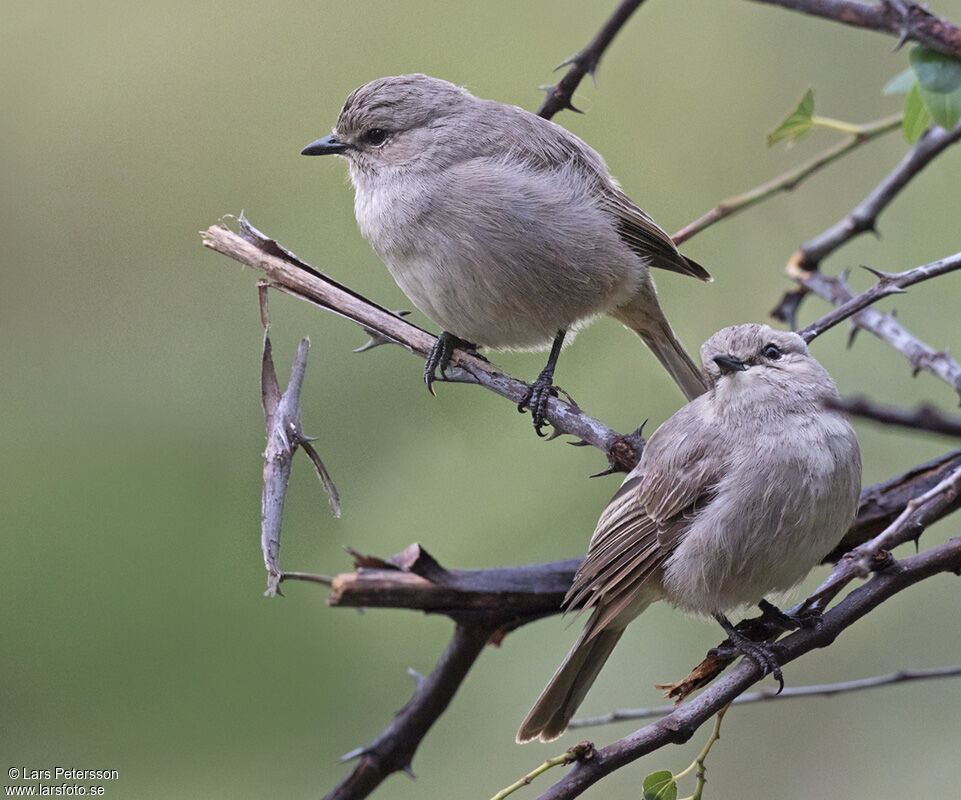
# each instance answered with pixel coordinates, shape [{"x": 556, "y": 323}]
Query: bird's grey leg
[
  {"x": 762, "y": 653},
  {"x": 542, "y": 388},
  {"x": 440, "y": 356}
]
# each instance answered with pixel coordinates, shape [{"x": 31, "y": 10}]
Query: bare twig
[
  {"x": 393, "y": 750},
  {"x": 282, "y": 416},
  {"x": 678, "y": 726},
  {"x": 585, "y": 62},
  {"x": 787, "y": 181},
  {"x": 284, "y": 435},
  {"x": 505, "y": 596},
  {"x": 307, "y": 577},
  {"x": 301, "y": 280},
  {"x": 921, "y": 356},
  {"x": 883, "y": 502},
  {"x": 888, "y": 284},
  {"x": 818, "y": 690},
  {"x": 874, "y": 554},
  {"x": 906, "y": 19},
  {"x": 862, "y": 218},
  {"x": 923, "y": 418}
]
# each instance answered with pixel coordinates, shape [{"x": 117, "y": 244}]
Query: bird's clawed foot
[
  {"x": 790, "y": 622},
  {"x": 536, "y": 400},
  {"x": 761, "y": 653},
  {"x": 541, "y": 390},
  {"x": 440, "y": 356}
]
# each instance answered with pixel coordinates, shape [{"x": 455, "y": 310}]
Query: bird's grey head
[
  {"x": 398, "y": 122},
  {"x": 758, "y": 362}
]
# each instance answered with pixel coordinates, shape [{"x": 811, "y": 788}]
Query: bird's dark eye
[
  {"x": 771, "y": 351},
  {"x": 375, "y": 136}
]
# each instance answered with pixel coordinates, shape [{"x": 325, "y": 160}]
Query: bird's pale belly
[{"x": 490, "y": 312}]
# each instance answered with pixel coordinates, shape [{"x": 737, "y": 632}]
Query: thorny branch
[
  {"x": 297, "y": 278},
  {"x": 921, "y": 356},
  {"x": 282, "y": 416},
  {"x": 923, "y": 418},
  {"x": 906, "y": 19},
  {"x": 804, "y": 263},
  {"x": 888, "y": 284},
  {"x": 393, "y": 750},
  {"x": 585, "y": 62}
]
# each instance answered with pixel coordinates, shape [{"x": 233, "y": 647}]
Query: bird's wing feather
[
  {"x": 550, "y": 146},
  {"x": 646, "y": 518},
  {"x": 646, "y": 238}
]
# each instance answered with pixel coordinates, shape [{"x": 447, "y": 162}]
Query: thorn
[
  {"x": 875, "y": 272},
  {"x": 357, "y": 752},
  {"x": 418, "y": 678},
  {"x": 902, "y": 40},
  {"x": 408, "y": 771},
  {"x": 570, "y": 106},
  {"x": 640, "y": 429},
  {"x": 852, "y": 335},
  {"x": 377, "y": 339},
  {"x": 608, "y": 471},
  {"x": 579, "y": 443},
  {"x": 555, "y": 432},
  {"x": 567, "y": 62}
]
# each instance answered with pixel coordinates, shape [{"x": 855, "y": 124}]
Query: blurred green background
[{"x": 135, "y": 634}]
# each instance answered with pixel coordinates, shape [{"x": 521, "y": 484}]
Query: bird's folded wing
[
  {"x": 645, "y": 519},
  {"x": 646, "y": 238}
]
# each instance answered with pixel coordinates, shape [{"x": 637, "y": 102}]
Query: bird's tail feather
[
  {"x": 657, "y": 334},
  {"x": 554, "y": 708}
]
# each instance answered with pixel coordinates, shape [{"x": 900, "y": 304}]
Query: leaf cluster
[{"x": 933, "y": 87}]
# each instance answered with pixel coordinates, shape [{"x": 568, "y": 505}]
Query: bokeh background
[{"x": 135, "y": 634}]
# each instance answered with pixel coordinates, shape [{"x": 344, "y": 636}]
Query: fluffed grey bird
[
  {"x": 504, "y": 228},
  {"x": 737, "y": 495}
]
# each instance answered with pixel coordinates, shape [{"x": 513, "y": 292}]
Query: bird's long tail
[
  {"x": 643, "y": 315},
  {"x": 554, "y": 708},
  {"x": 561, "y": 697}
]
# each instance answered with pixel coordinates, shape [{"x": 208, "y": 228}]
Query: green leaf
[
  {"x": 916, "y": 115},
  {"x": 900, "y": 83},
  {"x": 936, "y": 72},
  {"x": 660, "y": 785},
  {"x": 797, "y": 124},
  {"x": 945, "y": 108}
]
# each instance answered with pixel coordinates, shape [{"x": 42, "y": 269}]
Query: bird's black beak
[
  {"x": 325, "y": 147},
  {"x": 729, "y": 364}
]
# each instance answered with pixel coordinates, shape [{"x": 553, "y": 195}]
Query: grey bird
[
  {"x": 737, "y": 495},
  {"x": 504, "y": 228}
]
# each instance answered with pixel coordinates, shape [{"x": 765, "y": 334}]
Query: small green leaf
[
  {"x": 936, "y": 72},
  {"x": 797, "y": 124},
  {"x": 900, "y": 83},
  {"x": 916, "y": 116},
  {"x": 660, "y": 785},
  {"x": 945, "y": 108}
]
